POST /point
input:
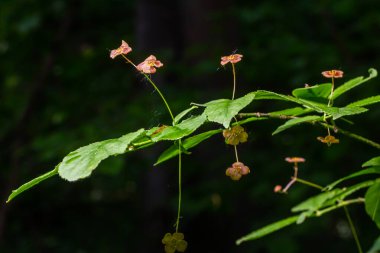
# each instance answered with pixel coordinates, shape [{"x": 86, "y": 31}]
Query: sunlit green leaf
[
  {"x": 81, "y": 162},
  {"x": 264, "y": 94},
  {"x": 366, "y": 101},
  {"x": 372, "y": 203},
  {"x": 183, "y": 113},
  {"x": 187, "y": 144},
  {"x": 268, "y": 229},
  {"x": 181, "y": 130},
  {"x": 375, "y": 161},
  {"x": 302, "y": 217},
  {"x": 223, "y": 110},
  {"x": 354, "y": 83},
  {"x": 32, "y": 183},
  {"x": 316, "y": 202},
  {"x": 247, "y": 120},
  {"x": 295, "y": 111},
  {"x": 296, "y": 121},
  {"x": 316, "y": 93},
  {"x": 373, "y": 170},
  {"x": 347, "y": 192}
]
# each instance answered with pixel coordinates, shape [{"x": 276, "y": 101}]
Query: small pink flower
[
  {"x": 333, "y": 73},
  {"x": 123, "y": 49},
  {"x": 149, "y": 65},
  {"x": 295, "y": 159},
  {"x": 237, "y": 170},
  {"x": 233, "y": 58},
  {"x": 329, "y": 139},
  {"x": 277, "y": 188}
]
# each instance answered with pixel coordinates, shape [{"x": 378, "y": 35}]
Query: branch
[
  {"x": 339, "y": 205},
  {"x": 325, "y": 125}
]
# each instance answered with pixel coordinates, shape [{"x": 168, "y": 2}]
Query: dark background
[{"x": 60, "y": 90}]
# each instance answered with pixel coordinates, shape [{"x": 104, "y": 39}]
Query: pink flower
[
  {"x": 123, "y": 49},
  {"x": 235, "y": 135},
  {"x": 333, "y": 73},
  {"x": 329, "y": 139},
  {"x": 277, "y": 188},
  {"x": 149, "y": 65},
  {"x": 233, "y": 58},
  {"x": 237, "y": 170},
  {"x": 295, "y": 159}
]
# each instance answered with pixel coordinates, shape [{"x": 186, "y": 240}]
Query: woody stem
[
  {"x": 234, "y": 76},
  {"x": 179, "y": 185},
  {"x": 179, "y": 143},
  {"x": 331, "y": 93},
  {"x": 154, "y": 86},
  {"x": 302, "y": 181},
  {"x": 236, "y": 154}
]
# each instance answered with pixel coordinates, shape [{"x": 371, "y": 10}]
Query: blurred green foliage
[{"x": 60, "y": 90}]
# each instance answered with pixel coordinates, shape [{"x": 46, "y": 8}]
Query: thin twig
[
  {"x": 305, "y": 182},
  {"x": 352, "y": 135},
  {"x": 325, "y": 125},
  {"x": 339, "y": 205},
  {"x": 353, "y": 230}
]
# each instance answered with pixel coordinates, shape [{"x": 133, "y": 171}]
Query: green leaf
[
  {"x": 247, "y": 120},
  {"x": 372, "y": 203},
  {"x": 302, "y": 217},
  {"x": 366, "y": 101},
  {"x": 347, "y": 192},
  {"x": 297, "y": 121},
  {"x": 268, "y": 229},
  {"x": 373, "y": 170},
  {"x": 186, "y": 144},
  {"x": 81, "y": 162},
  {"x": 295, "y": 111},
  {"x": 354, "y": 83},
  {"x": 317, "y": 93},
  {"x": 32, "y": 183},
  {"x": 182, "y": 114},
  {"x": 223, "y": 110},
  {"x": 181, "y": 130},
  {"x": 314, "y": 203},
  {"x": 264, "y": 95},
  {"x": 375, "y": 247},
  {"x": 335, "y": 112},
  {"x": 375, "y": 161}
]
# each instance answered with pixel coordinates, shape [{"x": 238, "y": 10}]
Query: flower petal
[
  {"x": 178, "y": 236},
  {"x": 181, "y": 245},
  {"x": 295, "y": 159},
  {"x": 167, "y": 238},
  {"x": 169, "y": 249},
  {"x": 123, "y": 49},
  {"x": 114, "y": 53},
  {"x": 158, "y": 64}
]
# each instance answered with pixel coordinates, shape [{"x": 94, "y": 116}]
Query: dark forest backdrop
[{"x": 59, "y": 90}]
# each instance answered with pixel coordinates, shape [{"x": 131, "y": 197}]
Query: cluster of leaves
[{"x": 308, "y": 105}]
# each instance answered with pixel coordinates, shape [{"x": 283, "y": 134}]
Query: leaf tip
[
  {"x": 239, "y": 241},
  {"x": 372, "y": 72}
]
